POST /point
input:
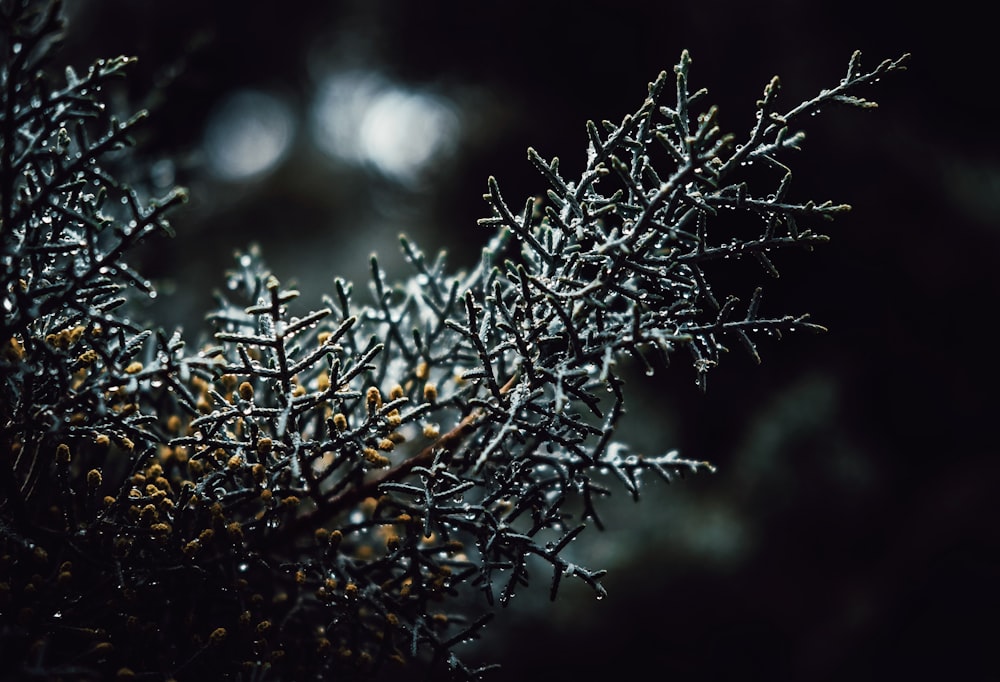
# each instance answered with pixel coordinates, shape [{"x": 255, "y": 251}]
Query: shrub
[{"x": 353, "y": 488}]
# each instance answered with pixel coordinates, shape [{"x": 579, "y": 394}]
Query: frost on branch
[
  {"x": 330, "y": 494},
  {"x": 444, "y": 430}
]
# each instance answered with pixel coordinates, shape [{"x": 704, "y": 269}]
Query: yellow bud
[
  {"x": 246, "y": 390},
  {"x": 63, "y": 455},
  {"x": 373, "y": 457},
  {"x": 373, "y": 399},
  {"x": 174, "y": 423},
  {"x": 258, "y": 471},
  {"x": 14, "y": 350}
]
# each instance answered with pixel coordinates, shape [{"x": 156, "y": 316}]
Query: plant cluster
[{"x": 328, "y": 494}]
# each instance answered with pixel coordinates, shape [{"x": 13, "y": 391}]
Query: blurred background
[{"x": 851, "y": 529}]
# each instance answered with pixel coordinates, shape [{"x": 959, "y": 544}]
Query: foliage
[{"x": 326, "y": 494}]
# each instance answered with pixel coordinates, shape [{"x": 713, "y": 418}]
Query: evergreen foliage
[{"x": 330, "y": 494}]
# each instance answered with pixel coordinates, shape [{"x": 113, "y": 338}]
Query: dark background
[{"x": 850, "y": 532}]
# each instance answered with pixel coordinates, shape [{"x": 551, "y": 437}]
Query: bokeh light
[
  {"x": 248, "y": 135},
  {"x": 362, "y": 118}
]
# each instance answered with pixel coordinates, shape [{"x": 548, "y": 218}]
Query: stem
[{"x": 329, "y": 509}]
